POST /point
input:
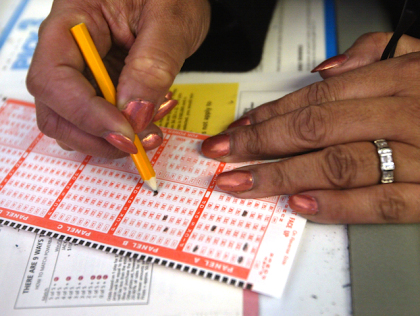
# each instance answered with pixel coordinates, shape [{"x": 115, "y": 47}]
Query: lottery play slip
[{"x": 190, "y": 225}]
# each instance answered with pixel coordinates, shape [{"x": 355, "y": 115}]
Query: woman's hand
[
  {"x": 327, "y": 129},
  {"x": 143, "y": 43}
]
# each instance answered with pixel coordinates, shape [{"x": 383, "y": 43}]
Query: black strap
[{"x": 409, "y": 14}]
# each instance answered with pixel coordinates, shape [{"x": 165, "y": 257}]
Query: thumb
[
  {"x": 167, "y": 33},
  {"x": 366, "y": 50}
]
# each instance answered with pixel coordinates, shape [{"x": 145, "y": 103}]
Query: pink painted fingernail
[
  {"x": 331, "y": 62},
  {"x": 164, "y": 109},
  {"x": 303, "y": 204},
  {"x": 235, "y": 181},
  {"x": 168, "y": 96},
  {"x": 217, "y": 146},
  {"x": 241, "y": 122},
  {"x": 139, "y": 114},
  {"x": 121, "y": 142},
  {"x": 151, "y": 141}
]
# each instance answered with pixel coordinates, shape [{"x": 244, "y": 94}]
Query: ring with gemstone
[{"x": 386, "y": 160}]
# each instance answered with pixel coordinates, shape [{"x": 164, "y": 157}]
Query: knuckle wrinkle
[
  {"x": 253, "y": 142},
  {"x": 340, "y": 167},
  {"x": 321, "y": 92},
  {"x": 309, "y": 126},
  {"x": 281, "y": 181},
  {"x": 391, "y": 206}
]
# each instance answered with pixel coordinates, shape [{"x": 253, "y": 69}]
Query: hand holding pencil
[
  {"x": 94, "y": 61},
  {"x": 143, "y": 49}
]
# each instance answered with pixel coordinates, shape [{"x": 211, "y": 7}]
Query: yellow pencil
[{"x": 94, "y": 61}]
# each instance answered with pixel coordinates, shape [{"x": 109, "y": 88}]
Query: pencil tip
[{"x": 152, "y": 185}]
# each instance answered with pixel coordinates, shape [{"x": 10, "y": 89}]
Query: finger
[
  {"x": 168, "y": 33},
  {"x": 316, "y": 127},
  {"x": 64, "y": 146},
  {"x": 385, "y": 203},
  {"x": 69, "y": 137},
  {"x": 366, "y": 50},
  {"x": 393, "y": 77},
  {"x": 55, "y": 79},
  {"x": 338, "y": 167},
  {"x": 151, "y": 137},
  {"x": 165, "y": 108}
]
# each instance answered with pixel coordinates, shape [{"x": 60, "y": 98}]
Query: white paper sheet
[{"x": 45, "y": 276}]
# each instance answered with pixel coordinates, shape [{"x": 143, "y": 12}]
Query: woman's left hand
[{"x": 327, "y": 129}]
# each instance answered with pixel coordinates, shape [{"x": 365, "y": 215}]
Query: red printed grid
[
  {"x": 104, "y": 201},
  {"x": 18, "y": 125},
  {"x": 231, "y": 229}
]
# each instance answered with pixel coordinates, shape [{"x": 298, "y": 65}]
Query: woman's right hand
[{"x": 144, "y": 44}]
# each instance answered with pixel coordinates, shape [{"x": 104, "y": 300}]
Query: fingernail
[
  {"x": 121, "y": 142},
  {"x": 139, "y": 114},
  {"x": 217, "y": 146},
  {"x": 331, "y": 62},
  {"x": 303, "y": 204},
  {"x": 164, "y": 109},
  {"x": 168, "y": 96},
  {"x": 241, "y": 122},
  {"x": 235, "y": 181},
  {"x": 151, "y": 141}
]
